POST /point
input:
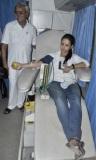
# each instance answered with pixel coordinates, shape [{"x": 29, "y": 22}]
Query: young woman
[{"x": 64, "y": 90}]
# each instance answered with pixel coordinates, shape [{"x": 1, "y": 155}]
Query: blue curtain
[
  {"x": 7, "y": 11},
  {"x": 91, "y": 97},
  {"x": 83, "y": 31}
]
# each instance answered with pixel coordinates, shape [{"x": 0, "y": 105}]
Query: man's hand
[{"x": 5, "y": 66}]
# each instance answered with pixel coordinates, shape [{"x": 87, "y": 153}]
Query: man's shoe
[
  {"x": 22, "y": 108},
  {"x": 7, "y": 111}
]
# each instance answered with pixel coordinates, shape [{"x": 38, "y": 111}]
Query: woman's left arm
[
  {"x": 74, "y": 66},
  {"x": 75, "y": 63},
  {"x": 79, "y": 65}
]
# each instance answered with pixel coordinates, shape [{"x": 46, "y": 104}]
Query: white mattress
[
  {"x": 27, "y": 78},
  {"x": 49, "y": 137}
]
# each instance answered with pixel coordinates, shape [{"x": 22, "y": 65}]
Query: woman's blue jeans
[{"x": 68, "y": 104}]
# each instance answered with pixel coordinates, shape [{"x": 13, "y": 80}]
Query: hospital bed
[{"x": 49, "y": 138}]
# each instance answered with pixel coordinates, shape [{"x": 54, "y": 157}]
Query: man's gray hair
[{"x": 23, "y": 5}]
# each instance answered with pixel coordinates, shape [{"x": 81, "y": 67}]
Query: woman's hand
[
  {"x": 16, "y": 65},
  {"x": 67, "y": 68}
]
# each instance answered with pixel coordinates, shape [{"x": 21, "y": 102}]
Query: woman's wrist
[{"x": 72, "y": 66}]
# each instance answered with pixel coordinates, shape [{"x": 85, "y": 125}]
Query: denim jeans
[{"x": 68, "y": 105}]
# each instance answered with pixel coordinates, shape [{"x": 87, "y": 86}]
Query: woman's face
[{"x": 65, "y": 46}]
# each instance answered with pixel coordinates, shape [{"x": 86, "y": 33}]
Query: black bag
[
  {"x": 3, "y": 73},
  {"x": 3, "y": 89}
]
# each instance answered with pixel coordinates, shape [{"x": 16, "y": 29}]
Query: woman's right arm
[
  {"x": 18, "y": 66},
  {"x": 36, "y": 64}
]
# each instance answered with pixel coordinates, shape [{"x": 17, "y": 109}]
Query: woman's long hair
[{"x": 72, "y": 40}]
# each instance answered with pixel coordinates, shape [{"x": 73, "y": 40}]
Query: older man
[{"x": 18, "y": 38}]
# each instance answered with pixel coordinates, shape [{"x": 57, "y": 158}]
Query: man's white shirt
[{"x": 19, "y": 40}]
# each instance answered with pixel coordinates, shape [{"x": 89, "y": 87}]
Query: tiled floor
[
  {"x": 27, "y": 153},
  {"x": 10, "y": 128}
]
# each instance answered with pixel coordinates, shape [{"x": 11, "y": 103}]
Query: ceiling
[{"x": 70, "y": 5}]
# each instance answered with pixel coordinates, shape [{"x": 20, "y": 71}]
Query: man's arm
[
  {"x": 5, "y": 41},
  {"x": 4, "y": 51}
]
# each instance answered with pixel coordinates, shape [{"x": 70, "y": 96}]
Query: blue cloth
[
  {"x": 47, "y": 59},
  {"x": 70, "y": 117},
  {"x": 91, "y": 97},
  {"x": 83, "y": 31}
]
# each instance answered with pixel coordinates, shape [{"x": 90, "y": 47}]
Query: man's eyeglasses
[{"x": 19, "y": 12}]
